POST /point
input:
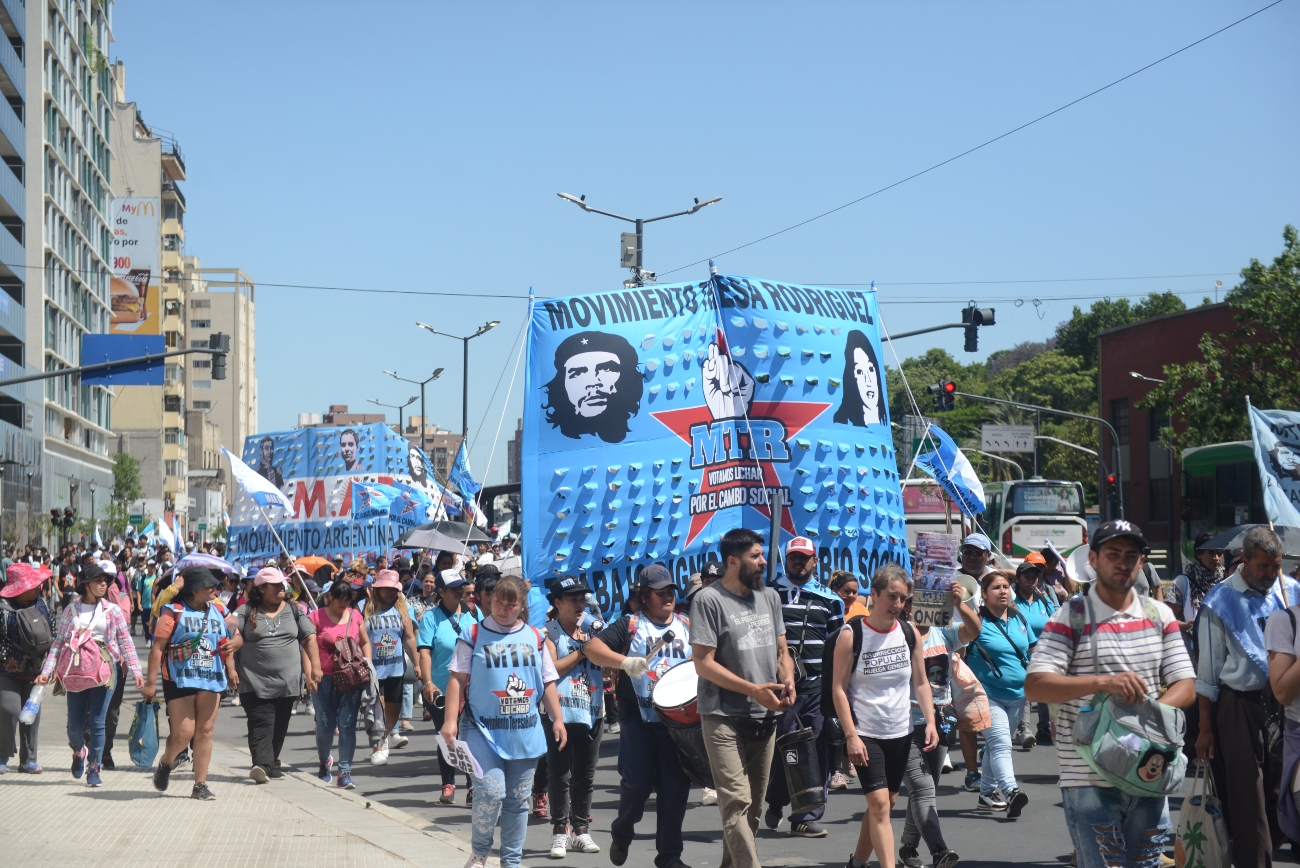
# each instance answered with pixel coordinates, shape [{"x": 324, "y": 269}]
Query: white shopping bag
[{"x": 1202, "y": 832}]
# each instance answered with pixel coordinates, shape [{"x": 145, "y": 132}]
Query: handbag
[
  {"x": 143, "y": 737},
  {"x": 1135, "y": 747},
  {"x": 350, "y": 669},
  {"x": 1202, "y": 840},
  {"x": 969, "y": 702},
  {"x": 83, "y": 663}
]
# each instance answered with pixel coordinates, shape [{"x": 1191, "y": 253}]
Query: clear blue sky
[{"x": 420, "y": 147}]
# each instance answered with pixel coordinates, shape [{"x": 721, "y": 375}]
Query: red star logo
[{"x": 795, "y": 416}]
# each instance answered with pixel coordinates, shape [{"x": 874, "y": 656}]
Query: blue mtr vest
[
  {"x": 581, "y": 699},
  {"x": 193, "y": 658},
  {"x": 505, "y": 690},
  {"x": 645, "y": 635},
  {"x": 385, "y": 629}
]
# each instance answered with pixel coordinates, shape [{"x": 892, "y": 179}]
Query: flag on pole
[
  {"x": 411, "y": 507},
  {"x": 99, "y": 541},
  {"x": 165, "y": 535},
  {"x": 147, "y": 531},
  {"x": 466, "y": 484},
  {"x": 954, "y": 473},
  {"x": 1276, "y": 438},
  {"x": 257, "y": 487},
  {"x": 372, "y": 499}
]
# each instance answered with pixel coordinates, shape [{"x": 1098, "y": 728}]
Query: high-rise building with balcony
[{"x": 65, "y": 157}]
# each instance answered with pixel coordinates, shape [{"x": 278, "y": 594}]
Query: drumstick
[{"x": 667, "y": 637}]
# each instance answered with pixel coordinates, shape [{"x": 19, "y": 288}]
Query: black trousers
[
  {"x": 268, "y": 721},
  {"x": 1247, "y": 777},
  {"x": 114, "y": 712},
  {"x": 445, "y": 769},
  {"x": 571, "y": 774}
]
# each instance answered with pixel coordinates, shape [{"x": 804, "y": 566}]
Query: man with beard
[
  {"x": 1231, "y": 674},
  {"x": 1190, "y": 588},
  {"x": 596, "y": 388},
  {"x": 648, "y": 759},
  {"x": 812, "y": 615},
  {"x": 746, "y": 681},
  {"x": 1137, "y": 646}
]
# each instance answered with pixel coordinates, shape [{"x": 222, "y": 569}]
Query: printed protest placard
[{"x": 934, "y": 573}]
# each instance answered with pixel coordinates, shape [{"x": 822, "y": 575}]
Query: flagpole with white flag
[{"x": 263, "y": 493}]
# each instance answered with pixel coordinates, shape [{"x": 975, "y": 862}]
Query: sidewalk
[{"x": 52, "y": 819}]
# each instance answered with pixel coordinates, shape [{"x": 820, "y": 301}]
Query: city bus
[{"x": 1025, "y": 515}]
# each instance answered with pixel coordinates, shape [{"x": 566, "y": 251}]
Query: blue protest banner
[
  {"x": 1275, "y": 435},
  {"x": 658, "y": 418}
]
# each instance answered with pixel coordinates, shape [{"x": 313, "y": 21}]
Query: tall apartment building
[
  {"x": 65, "y": 156},
  {"x": 147, "y": 169},
  {"x": 515, "y": 454},
  {"x": 21, "y": 411},
  {"x": 223, "y": 300}
]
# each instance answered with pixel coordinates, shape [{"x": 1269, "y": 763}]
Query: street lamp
[
  {"x": 398, "y": 407},
  {"x": 1135, "y": 375},
  {"x": 92, "y": 501},
  {"x": 424, "y": 420},
  {"x": 632, "y": 243},
  {"x": 464, "y": 388},
  {"x": 1173, "y": 501}
]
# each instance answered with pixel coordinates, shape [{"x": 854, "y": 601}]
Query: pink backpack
[{"x": 83, "y": 662}]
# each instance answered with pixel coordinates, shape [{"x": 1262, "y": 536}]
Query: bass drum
[{"x": 674, "y": 698}]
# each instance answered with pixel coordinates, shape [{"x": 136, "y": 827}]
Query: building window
[
  {"x": 201, "y": 303},
  {"x": 173, "y": 404},
  {"x": 202, "y": 363},
  {"x": 199, "y": 345},
  {"x": 1119, "y": 419},
  {"x": 200, "y": 323},
  {"x": 173, "y": 468},
  {"x": 202, "y": 384},
  {"x": 202, "y": 405},
  {"x": 173, "y": 435},
  {"x": 1157, "y": 418},
  {"x": 1159, "y": 499}
]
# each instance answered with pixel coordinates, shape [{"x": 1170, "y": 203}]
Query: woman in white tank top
[{"x": 872, "y": 691}]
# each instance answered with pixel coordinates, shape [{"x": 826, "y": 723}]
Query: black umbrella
[
  {"x": 447, "y": 536},
  {"x": 1231, "y": 540}
]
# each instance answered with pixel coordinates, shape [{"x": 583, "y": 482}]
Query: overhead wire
[{"x": 978, "y": 147}]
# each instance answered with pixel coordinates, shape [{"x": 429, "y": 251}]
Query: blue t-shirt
[
  {"x": 999, "y": 658},
  {"x": 1037, "y": 613},
  {"x": 438, "y": 633}
]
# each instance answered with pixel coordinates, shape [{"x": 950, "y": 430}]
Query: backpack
[
  {"x": 29, "y": 631},
  {"x": 350, "y": 669},
  {"x": 828, "y": 658},
  {"x": 83, "y": 663}
]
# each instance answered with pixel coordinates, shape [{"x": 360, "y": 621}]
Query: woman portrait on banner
[{"x": 864, "y": 402}]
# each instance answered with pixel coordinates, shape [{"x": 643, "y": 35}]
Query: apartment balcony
[
  {"x": 171, "y": 260},
  {"x": 172, "y": 291},
  {"x": 17, "y": 15},
  {"x": 12, "y": 65},
  {"x": 174, "y": 387},
  {"x": 173, "y": 163},
  {"x": 175, "y": 486},
  {"x": 173, "y": 420},
  {"x": 11, "y": 252},
  {"x": 174, "y": 452},
  {"x": 172, "y": 226},
  {"x": 11, "y": 189},
  {"x": 12, "y": 128},
  {"x": 169, "y": 188}
]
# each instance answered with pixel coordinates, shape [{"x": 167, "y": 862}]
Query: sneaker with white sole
[
  {"x": 709, "y": 796},
  {"x": 583, "y": 843},
  {"x": 1030, "y": 742},
  {"x": 1022, "y": 729},
  {"x": 992, "y": 802},
  {"x": 396, "y": 739},
  {"x": 838, "y": 781},
  {"x": 947, "y": 765},
  {"x": 476, "y": 861},
  {"x": 559, "y": 845},
  {"x": 380, "y": 755}
]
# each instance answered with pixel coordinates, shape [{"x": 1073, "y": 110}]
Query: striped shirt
[
  {"x": 811, "y": 614},
  {"x": 1128, "y": 642}
]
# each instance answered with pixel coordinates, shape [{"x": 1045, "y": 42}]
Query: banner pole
[
  {"x": 776, "y": 503},
  {"x": 272, "y": 528}
]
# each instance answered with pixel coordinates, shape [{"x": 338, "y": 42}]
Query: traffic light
[
  {"x": 943, "y": 394},
  {"x": 1111, "y": 493},
  {"x": 220, "y": 345},
  {"x": 974, "y": 317}
]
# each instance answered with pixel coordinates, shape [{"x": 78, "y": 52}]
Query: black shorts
[
  {"x": 171, "y": 691},
  {"x": 391, "y": 688},
  {"x": 886, "y": 763}
]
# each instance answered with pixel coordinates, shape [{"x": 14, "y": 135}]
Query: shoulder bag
[{"x": 350, "y": 669}]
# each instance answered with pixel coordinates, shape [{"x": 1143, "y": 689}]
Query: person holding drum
[
  {"x": 571, "y": 771},
  {"x": 646, "y": 647}
]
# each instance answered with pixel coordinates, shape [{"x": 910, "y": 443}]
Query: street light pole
[
  {"x": 398, "y": 407},
  {"x": 640, "y": 276},
  {"x": 464, "y": 387},
  {"x": 424, "y": 419}
]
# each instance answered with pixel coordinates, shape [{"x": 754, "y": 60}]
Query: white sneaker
[
  {"x": 710, "y": 797},
  {"x": 380, "y": 755},
  {"x": 476, "y": 861},
  {"x": 558, "y": 842},
  {"x": 582, "y": 843},
  {"x": 398, "y": 740},
  {"x": 1022, "y": 729},
  {"x": 947, "y": 764}
]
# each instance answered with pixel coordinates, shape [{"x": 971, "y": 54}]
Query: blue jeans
[
  {"x": 648, "y": 762},
  {"x": 997, "y": 770},
  {"x": 502, "y": 793},
  {"x": 88, "y": 708},
  {"x": 1111, "y": 828},
  {"x": 336, "y": 710},
  {"x": 408, "y": 700}
]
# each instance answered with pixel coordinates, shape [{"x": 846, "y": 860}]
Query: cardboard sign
[{"x": 458, "y": 755}]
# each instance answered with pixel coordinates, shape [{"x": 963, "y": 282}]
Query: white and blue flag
[
  {"x": 953, "y": 471},
  {"x": 1276, "y": 437},
  {"x": 256, "y": 486}
]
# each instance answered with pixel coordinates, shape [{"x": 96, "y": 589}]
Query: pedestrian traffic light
[
  {"x": 974, "y": 317},
  {"x": 220, "y": 345},
  {"x": 1111, "y": 491},
  {"x": 943, "y": 394}
]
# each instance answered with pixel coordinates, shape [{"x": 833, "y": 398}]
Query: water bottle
[
  {"x": 32, "y": 706},
  {"x": 590, "y": 624}
]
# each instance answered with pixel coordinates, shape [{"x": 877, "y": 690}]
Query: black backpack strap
[{"x": 909, "y": 634}]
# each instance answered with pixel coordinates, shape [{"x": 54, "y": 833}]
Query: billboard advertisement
[
  {"x": 323, "y": 472},
  {"x": 658, "y": 418},
  {"x": 134, "y": 290}
]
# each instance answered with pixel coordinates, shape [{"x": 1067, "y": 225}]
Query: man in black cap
[{"x": 648, "y": 759}]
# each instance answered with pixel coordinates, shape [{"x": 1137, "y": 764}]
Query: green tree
[
  {"x": 1259, "y": 358},
  {"x": 126, "y": 491},
  {"x": 1077, "y": 336}
]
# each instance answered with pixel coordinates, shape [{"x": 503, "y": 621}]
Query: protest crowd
[{"x": 760, "y": 698}]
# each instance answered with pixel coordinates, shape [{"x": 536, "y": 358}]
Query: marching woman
[
  {"x": 392, "y": 637},
  {"x": 872, "y": 692},
  {"x": 999, "y": 657},
  {"x": 571, "y": 770},
  {"x": 504, "y": 662},
  {"x": 276, "y": 634},
  {"x": 90, "y": 627},
  {"x": 196, "y": 634},
  {"x": 337, "y": 709},
  {"x": 442, "y": 624}
]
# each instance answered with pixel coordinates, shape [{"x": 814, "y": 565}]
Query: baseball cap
[
  {"x": 656, "y": 576},
  {"x": 800, "y": 545},
  {"x": 449, "y": 580},
  {"x": 979, "y": 541},
  {"x": 486, "y": 571},
  {"x": 712, "y": 569},
  {"x": 568, "y": 585},
  {"x": 1032, "y": 561},
  {"x": 1115, "y": 530},
  {"x": 270, "y": 576}
]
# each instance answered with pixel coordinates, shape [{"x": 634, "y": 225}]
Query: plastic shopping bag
[
  {"x": 1202, "y": 832},
  {"x": 969, "y": 701},
  {"x": 144, "y": 734}
]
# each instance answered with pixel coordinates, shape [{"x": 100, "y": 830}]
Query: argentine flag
[{"x": 954, "y": 473}]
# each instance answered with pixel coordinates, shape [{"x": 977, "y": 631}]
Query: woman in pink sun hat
[
  {"x": 392, "y": 634},
  {"x": 20, "y": 662}
]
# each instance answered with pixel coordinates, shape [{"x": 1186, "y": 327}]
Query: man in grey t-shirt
[{"x": 746, "y": 678}]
